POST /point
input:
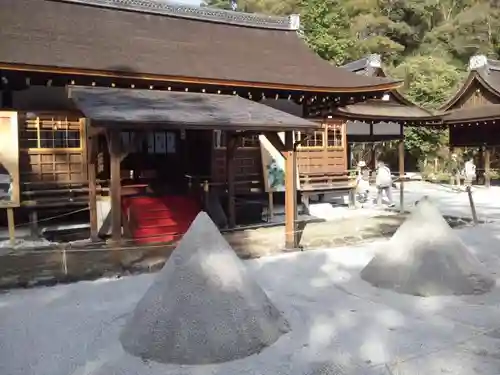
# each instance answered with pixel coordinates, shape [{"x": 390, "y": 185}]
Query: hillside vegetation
[{"x": 426, "y": 43}]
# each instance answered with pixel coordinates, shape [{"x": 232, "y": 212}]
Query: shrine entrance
[{"x": 164, "y": 161}]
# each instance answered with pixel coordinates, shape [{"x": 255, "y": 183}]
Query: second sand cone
[
  {"x": 425, "y": 257},
  {"x": 203, "y": 307}
]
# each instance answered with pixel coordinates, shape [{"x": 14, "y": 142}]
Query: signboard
[
  {"x": 9, "y": 160},
  {"x": 357, "y": 128},
  {"x": 387, "y": 128},
  {"x": 273, "y": 165}
]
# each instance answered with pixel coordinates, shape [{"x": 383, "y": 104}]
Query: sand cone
[
  {"x": 425, "y": 257},
  {"x": 203, "y": 307}
]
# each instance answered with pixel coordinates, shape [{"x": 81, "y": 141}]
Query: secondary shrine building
[{"x": 143, "y": 113}]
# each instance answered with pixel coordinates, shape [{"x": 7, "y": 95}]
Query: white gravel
[
  {"x": 425, "y": 257},
  {"x": 203, "y": 306},
  {"x": 340, "y": 324}
]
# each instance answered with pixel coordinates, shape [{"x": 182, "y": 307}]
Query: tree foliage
[{"x": 426, "y": 43}]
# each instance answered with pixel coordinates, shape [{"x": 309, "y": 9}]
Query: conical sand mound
[
  {"x": 203, "y": 307},
  {"x": 425, "y": 257}
]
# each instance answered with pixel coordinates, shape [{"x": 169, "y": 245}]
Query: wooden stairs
[{"x": 159, "y": 219}]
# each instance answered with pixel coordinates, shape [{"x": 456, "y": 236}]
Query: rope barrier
[
  {"x": 54, "y": 217},
  {"x": 130, "y": 244}
]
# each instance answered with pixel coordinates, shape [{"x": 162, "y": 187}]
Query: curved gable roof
[
  {"x": 485, "y": 112},
  {"x": 400, "y": 107},
  {"x": 483, "y": 71},
  {"x": 371, "y": 65},
  {"x": 129, "y": 37}
]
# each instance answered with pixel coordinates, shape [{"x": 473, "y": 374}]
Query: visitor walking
[
  {"x": 383, "y": 181},
  {"x": 362, "y": 182},
  {"x": 454, "y": 169},
  {"x": 469, "y": 172}
]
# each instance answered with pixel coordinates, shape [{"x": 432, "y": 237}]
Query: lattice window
[
  {"x": 334, "y": 136},
  {"x": 249, "y": 141},
  {"x": 315, "y": 139},
  {"x": 50, "y": 133}
]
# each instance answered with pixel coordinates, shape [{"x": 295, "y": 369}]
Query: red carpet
[{"x": 159, "y": 219}]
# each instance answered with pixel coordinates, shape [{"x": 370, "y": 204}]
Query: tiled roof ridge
[
  {"x": 478, "y": 62},
  {"x": 373, "y": 60},
  {"x": 166, "y": 8}
]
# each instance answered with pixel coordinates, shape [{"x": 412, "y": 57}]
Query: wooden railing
[{"x": 325, "y": 181}]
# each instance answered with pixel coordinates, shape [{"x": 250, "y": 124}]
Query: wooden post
[
  {"x": 270, "y": 207},
  {"x": 115, "y": 191},
  {"x": 92, "y": 176},
  {"x": 373, "y": 161},
  {"x": 230, "y": 175},
  {"x": 401, "y": 176},
  {"x": 290, "y": 193},
  {"x": 12, "y": 226},
  {"x": 34, "y": 224},
  {"x": 206, "y": 196},
  {"x": 472, "y": 205},
  {"x": 487, "y": 165}
]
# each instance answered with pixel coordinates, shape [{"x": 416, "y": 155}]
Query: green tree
[
  {"x": 325, "y": 24},
  {"x": 429, "y": 81}
]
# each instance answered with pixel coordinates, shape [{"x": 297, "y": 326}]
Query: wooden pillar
[
  {"x": 401, "y": 175},
  {"x": 290, "y": 193},
  {"x": 373, "y": 163},
  {"x": 92, "y": 176},
  {"x": 33, "y": 218},
  {"x": 12, "y": 226},
  {"x": 231, "y": 146},
  {"x": 480, "y": 162},
  {"x": 487, "y": 165},
  {"x": 115, "y": 191}
]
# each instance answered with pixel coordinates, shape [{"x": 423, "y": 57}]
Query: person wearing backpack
[{"x": 383, "y": 182}]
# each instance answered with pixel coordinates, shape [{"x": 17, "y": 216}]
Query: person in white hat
[{"x": 363, "y": 182}]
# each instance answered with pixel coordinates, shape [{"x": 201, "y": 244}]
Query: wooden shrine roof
[
  {"x": 482, "y": 71},
  {"x": 153, "y": 39},
  {"x": 385, "y": 110},
  {"x": 489, "y": 112},
  {"x": 133, "y": 108},
  {"x": 394, "y": 107}
]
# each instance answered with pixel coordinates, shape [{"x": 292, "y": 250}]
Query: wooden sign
[
  {"x": 273, "y": 166},
  {"x": 9, "y": 160}
]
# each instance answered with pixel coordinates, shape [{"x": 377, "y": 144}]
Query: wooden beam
[
  {"x": 231, "y": 147},
  {"x": 275, "y": 140},
  {"x": 487, "y": 166},
  {"x": 115, "y": 191},
  {"x": 92, "y": 177},
  {"x": 401, "y": 176},
  {"x": 290, "y": 193},
  {"x": 160, "y": 78}
]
